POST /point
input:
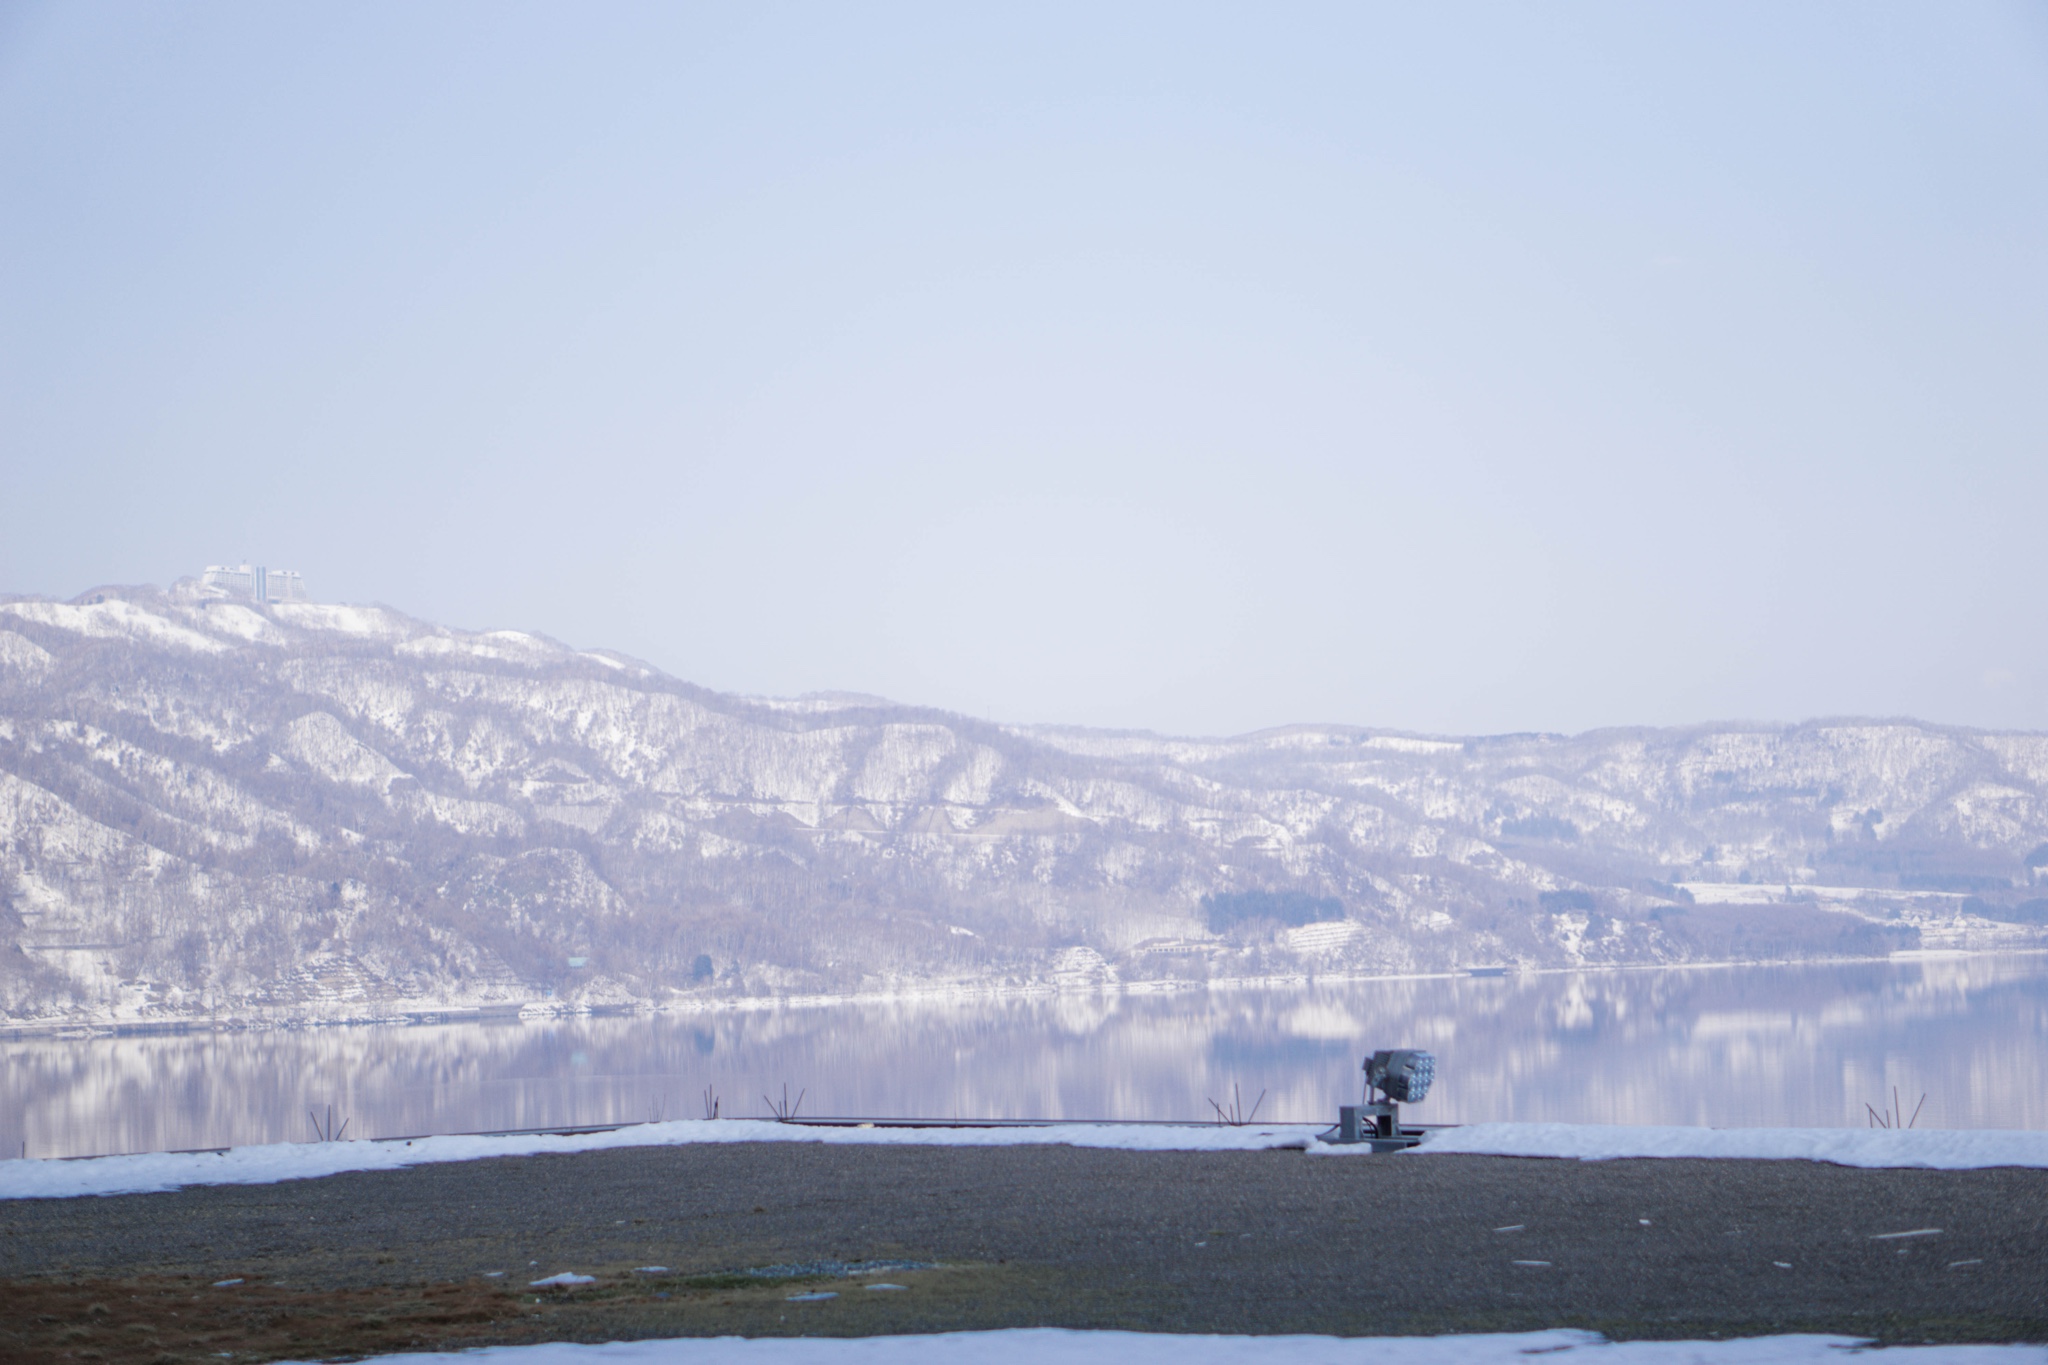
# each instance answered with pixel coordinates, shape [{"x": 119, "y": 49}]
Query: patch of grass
[
  {"x": 183, "y": 1320},
  {"x": 172, "y": 1319},
  {"x": 744, "y": 1281}
]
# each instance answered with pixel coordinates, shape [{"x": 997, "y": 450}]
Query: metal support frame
[{"x": 1377, "y": 1122}]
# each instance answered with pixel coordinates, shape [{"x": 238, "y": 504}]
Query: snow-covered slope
[{"x": 315, "y": 811}]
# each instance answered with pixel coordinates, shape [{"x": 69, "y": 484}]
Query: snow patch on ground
[
  {"x": 228, "y": 618},
  {"x": 1408, "y": 744},
  {"x": 505, "y": 646},
  {"x": 375, "y": 622},
  {"x": 1058, "y": 1346},
  {"x": 1922, "y": 1148}
]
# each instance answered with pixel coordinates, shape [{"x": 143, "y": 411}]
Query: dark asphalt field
[{"x": 1046, "y": 1236}]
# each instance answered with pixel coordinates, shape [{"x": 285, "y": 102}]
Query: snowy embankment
[
  {"x": 1055, "y": 1346},
  {"x": 150, "y": 1172},
  {"x": 1923, "y": 1148},
  {"x": 147, "y": 1173}
]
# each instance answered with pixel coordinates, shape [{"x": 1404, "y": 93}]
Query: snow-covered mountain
[{"x": 213, "y": 808}]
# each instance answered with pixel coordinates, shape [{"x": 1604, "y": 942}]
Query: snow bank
[
  {"x": 147, "y": 1173},
  {"x": 1055, "y": 1346},
  {"x": 142, "y": 1174},
  {"x": 1925, "y": 1148}
]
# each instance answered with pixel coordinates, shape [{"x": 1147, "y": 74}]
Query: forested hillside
[{"x": 211, "y": 809}]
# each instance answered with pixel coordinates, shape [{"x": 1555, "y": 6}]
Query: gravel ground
[{"x": 1060, "y": 1236}]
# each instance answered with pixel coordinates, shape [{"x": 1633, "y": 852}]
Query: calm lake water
[{"x": 1721, "y": 1046}]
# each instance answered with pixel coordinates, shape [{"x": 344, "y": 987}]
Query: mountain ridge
[{"x": 216, "y": 809}]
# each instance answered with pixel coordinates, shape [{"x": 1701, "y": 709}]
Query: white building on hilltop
[{"x": 252, "y": 582}]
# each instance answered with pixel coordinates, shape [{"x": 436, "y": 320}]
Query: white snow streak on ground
[
  {"x": 1924, "y": 1148},
  {"x": 1055, "y": 1346}
]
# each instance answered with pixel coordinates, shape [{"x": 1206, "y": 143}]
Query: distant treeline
[{"x": 1292, "y": 908}]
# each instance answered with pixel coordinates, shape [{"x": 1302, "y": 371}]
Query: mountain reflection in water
[{"x": 1795, "y": 1045}]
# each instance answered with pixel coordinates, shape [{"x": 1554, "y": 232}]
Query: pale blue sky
[{"x": 1450, "y": 368}]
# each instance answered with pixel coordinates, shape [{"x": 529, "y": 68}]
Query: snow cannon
[{"x": 1399, "y": 1076}]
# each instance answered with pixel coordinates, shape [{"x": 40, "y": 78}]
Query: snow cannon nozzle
[{"x": 1402, "y": 1075}]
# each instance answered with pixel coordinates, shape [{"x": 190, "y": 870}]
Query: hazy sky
[{"x": 1200, "y": 369}]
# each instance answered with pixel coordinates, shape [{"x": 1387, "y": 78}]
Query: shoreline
[
  {"x": 257, "y": 1164},
  {"x": 429, "y": 1015}
]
